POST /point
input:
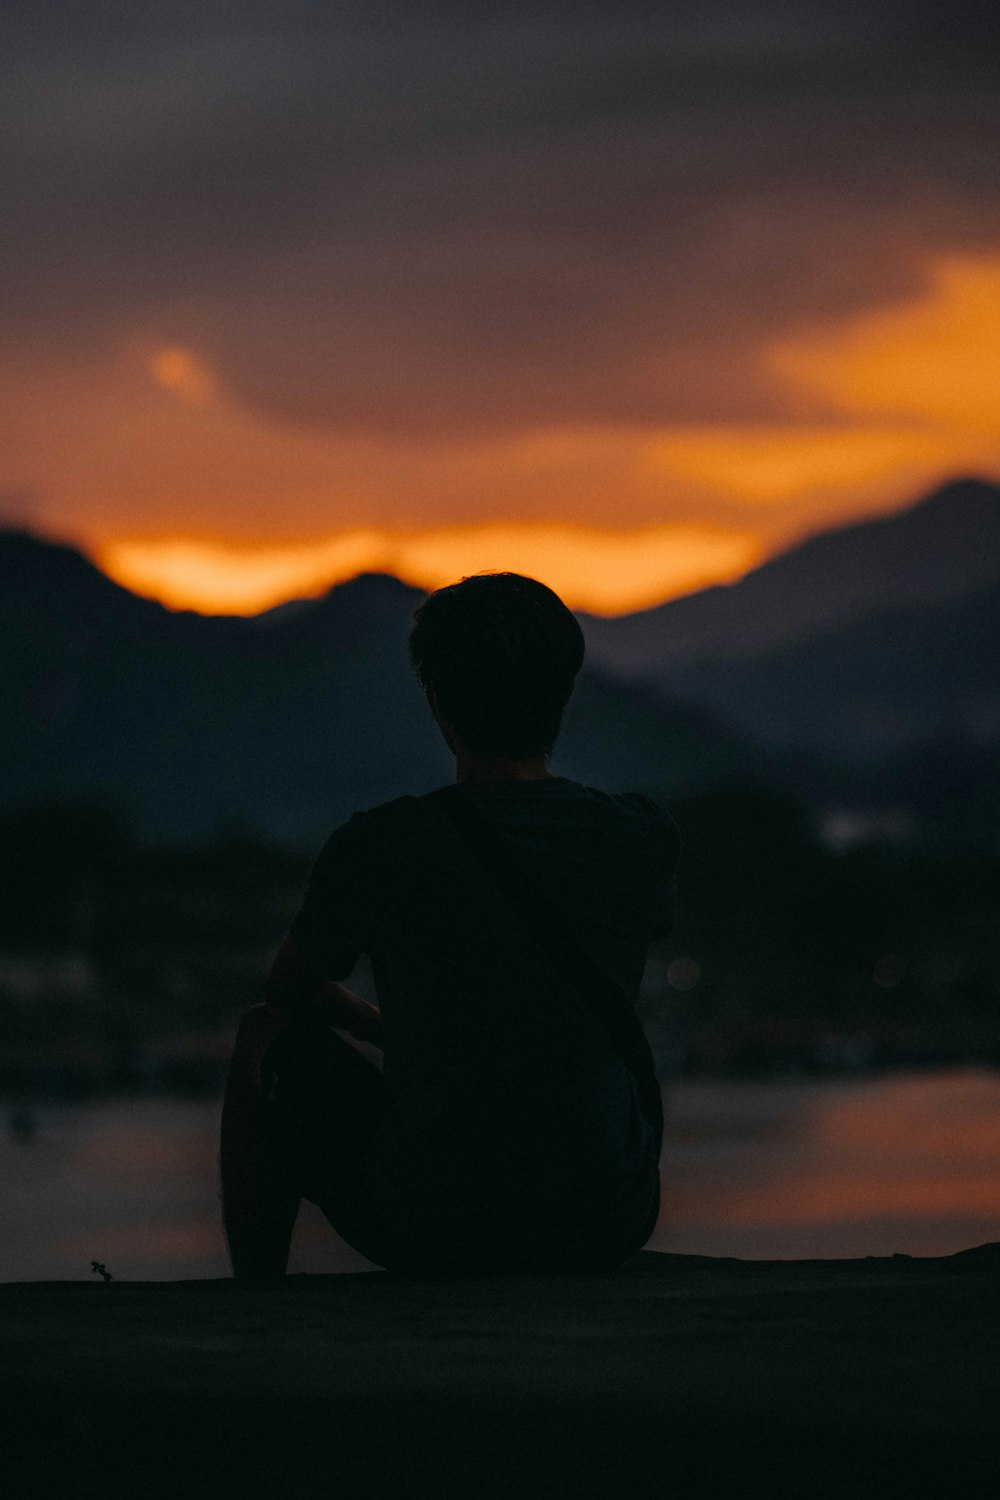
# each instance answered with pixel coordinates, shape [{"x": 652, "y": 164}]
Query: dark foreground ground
[{"x": 672, "y": 1376}]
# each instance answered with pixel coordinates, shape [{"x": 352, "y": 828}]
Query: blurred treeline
[
  {"x": 816, "y": 955},
  {"x": 123, "y": 964}
]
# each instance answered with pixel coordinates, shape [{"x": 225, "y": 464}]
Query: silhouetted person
[{"x": 516, "y": 1123}]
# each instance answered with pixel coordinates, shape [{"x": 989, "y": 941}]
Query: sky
[{"x": 625, "y": 296}]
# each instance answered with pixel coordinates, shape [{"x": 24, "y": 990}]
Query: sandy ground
[{"x": 671, "y": 1376}]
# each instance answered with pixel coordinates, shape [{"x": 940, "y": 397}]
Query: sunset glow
[
  {"x": 764, "y": 466},
  {"x": 934, "y": 359},
  {"x": 601, "y": 571},
  {"x": 459, "y": 310},
  {"x": 908, "y": 394},
  {"x": 931, "y": 365}
]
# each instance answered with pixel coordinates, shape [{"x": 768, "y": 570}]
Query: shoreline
[{"x": 670, "y": 1375}]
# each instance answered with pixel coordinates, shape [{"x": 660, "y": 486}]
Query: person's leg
[
  {"x": 258, "y": 1205},
  {"x": 324, "y": 1104}
]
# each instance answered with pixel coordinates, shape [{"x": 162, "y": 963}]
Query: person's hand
[
  {"x": 346, "y": 1011},
  {"x": 258, "y": 1028},
  {"x": 367, "y": 1026}
]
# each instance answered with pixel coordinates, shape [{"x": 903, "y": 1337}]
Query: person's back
[{"x": 507, "y": 919}]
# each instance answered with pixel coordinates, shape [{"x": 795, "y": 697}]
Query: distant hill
[
  {"x": 899, "y": 677},
  {"x": 853, "y": 647},
  {"x": 943, "y": 548},
  {"x": 856, "y": 648},
  {"x": 288, "y": 721}
]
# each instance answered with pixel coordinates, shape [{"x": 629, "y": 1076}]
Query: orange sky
[
  {"x": 630, "y": 301},
  {"x": 182, "y": 492}
]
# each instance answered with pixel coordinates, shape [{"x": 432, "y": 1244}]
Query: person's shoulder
[
  {"x": 371, "y": 825},
  {"x": 644, "y": 812},
  {"x": 644, "y": 807},
  {"x": 652, "y": 813},
  {"x": 630, "y": 804},
  {"x": 389, "y": 812},
  {"x": 383, "y": 819}
]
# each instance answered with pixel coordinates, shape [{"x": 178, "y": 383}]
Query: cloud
[
  {"x": 180, "y": 371},
  {"x": 289, "y": 270},
  {"x": 930, "y": 365},
  {"x": 767, "y": 467},
  {"x": 483, "y": 218},
  {"x": 934, "y": 359}
]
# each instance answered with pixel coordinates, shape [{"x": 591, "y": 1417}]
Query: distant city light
[{"x": 843, "y": 829}]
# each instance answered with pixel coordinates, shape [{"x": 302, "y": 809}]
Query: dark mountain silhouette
[
  {"x": 944, "y": 548},
  {"x": 900, "y": 677},
  {"x": 861, "y": 644},
  {"x": 288, "y": 721}
]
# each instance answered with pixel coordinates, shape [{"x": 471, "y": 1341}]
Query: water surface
[{"x": 871, "y": 1166}]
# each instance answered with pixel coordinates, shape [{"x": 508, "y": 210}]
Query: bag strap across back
[{"x": 601, "y": 990}]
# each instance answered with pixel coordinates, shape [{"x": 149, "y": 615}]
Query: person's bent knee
[
  {"x": 261, "y": 1014},
  {"x": 258, "y": 1027},
  {"x": 261, "y": 1022}
]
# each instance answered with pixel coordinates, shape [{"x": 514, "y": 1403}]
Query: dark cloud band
[{"x": 489, "y": 216}]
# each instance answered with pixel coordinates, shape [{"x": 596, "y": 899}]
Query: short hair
[{"x": 499, "y": 652}]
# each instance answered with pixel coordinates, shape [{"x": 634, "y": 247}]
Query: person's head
[{"x": 496, "y": 655}]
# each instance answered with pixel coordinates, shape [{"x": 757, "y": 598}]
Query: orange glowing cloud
[
  {"x": 598, "y": 570},
  {"x": 927, "y": 371},
  {"x": 180, "y": 371},
  {"x": 934, "y": 360},
  {"x": 183, "y": 493},
  {"x": 772, "y": 465}
]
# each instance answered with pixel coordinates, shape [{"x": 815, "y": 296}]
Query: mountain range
[
  {"x": 287, "y": 721},
  {"x": 858, "y": 644},
  {"x": 942, "y": 548},
  {"x": 851, "y": 646}
]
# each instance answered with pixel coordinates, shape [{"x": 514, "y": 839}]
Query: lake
[{"x": 868, "y": 1166}]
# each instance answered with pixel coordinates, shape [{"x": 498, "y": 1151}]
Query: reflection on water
[
  {"x": 874, "y": 1166},
  {"x": 779, "y": 1170},
  {"x": 133, "y": 1184}
]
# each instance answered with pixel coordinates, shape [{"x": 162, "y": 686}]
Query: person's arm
[
  {"x": 258, "y": 1208},
  {"x": 328, "y": 936},
  {"x": 296, "y": 991}
]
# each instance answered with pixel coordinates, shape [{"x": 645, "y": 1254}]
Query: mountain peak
[
  {"x": 44, "y": 573},
  {"x": 364, "y": 594},
  {"x": 24, "y": 553},
  {"x": 375, "y": 585},
  {"x": 967, "y": 496},
  {"x": 942, "y": 547}
]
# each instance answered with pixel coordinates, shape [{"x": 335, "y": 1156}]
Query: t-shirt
[{"x": 512, "y": 1123}]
